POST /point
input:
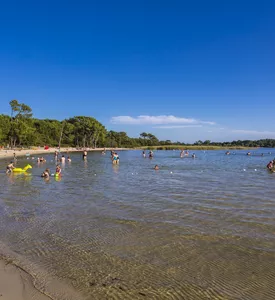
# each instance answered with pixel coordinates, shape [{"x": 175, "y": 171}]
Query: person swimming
[
  {"x": 46, "y": 173},
  {"x": 69, "y": 159},
  {"x": 248, "y": 153},
  {"x": 193, "y": 155},
  {"x": 156, "y": 167},
  {"x": 227, "y": 152},
  {"x": 10, "y": 167}
]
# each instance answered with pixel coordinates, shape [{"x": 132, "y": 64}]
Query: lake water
[{"x": 198, "y": 228}]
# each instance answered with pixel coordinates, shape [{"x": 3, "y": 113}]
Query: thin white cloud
[
  {"x": 156, "y": 120},
  {"x": 177, "y": 126},
  {"x": 254, "y": 132}
]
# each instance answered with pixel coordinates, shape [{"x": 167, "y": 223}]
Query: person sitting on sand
[
  {"x": 10, "y": 167},
  {"x": 69, "y": 159},
  {"x": 156, "y": 167},
  {"x": 46, "y": 173}
]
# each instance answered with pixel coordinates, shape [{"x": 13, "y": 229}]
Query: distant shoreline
[
  {"x": 18, "y": 152},
  {"x": 39, "y": 150},
  {"x": 196, "y": 147}
]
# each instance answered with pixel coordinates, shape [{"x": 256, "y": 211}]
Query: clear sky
[{"x": 183, "y": 70}]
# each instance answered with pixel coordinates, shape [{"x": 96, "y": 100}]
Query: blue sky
[{"x": 183, "y": 70}]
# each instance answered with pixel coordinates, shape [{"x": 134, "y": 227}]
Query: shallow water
[{"x": 198, "y": 228}]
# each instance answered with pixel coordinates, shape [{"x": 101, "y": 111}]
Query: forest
[{"x": 21, "y": 129}]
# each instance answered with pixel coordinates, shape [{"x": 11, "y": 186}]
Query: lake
[{"x": 198, "y": 228}]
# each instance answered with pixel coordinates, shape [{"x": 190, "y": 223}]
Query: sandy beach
[
  {"x": 39, "y": 151},
  {"x": 15, "y": 284}
]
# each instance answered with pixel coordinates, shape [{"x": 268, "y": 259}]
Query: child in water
[
  {"x": 115, "y": 158},
  {"x": 10, "y": 167},
  {"x": 58, "y": 170},
  {"x": 46, "y": 173}
]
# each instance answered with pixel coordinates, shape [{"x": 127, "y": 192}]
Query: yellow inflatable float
[{"x": 22, "y": 170}]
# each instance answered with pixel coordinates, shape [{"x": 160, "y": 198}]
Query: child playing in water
[
  {"x": 10, "y": 167},
  {"x": 58, "y": 170},
  {"x": 46, "y": 173}
]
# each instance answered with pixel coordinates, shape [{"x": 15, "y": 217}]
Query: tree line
[{"x": 21, "y": 129}]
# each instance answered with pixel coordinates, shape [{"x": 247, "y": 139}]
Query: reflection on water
[{"x": 198, "y": 228}]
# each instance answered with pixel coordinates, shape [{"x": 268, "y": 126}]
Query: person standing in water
[
  {"x": 63, "y": 159},
  {"x": 85, "y": 155},
  {"x": 58, "y": 170},
  {"x": 143, "y": 154},
  {"x": 182, "y": 153},
  {"x": 55, "y": 155},
  {"x": 115, "y": 159},
  {"x": 151, "y": 154}
]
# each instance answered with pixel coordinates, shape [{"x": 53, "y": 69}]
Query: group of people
[
  {"x": 41, "y": 159},
  {"x": 46, "y": 174},
  {"x": 150, "y": 155}
]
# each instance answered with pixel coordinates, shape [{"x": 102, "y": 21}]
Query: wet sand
[{"x": 15, "y": 284}]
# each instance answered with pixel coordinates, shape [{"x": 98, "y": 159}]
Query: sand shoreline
[
  {"x": 15, "y": 284},
  {"x": 33, "y": 152}
]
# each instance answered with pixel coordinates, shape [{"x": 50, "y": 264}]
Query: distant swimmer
[
  {"x": 55, "y": 155},
  {"x": 182, "y": 153},
  {"x": 193, "y": 155},
  {"x": 10, "y": 167},
  {"x": 227, "y": 152},
  {"x": 46, "y": 173},
  {"x": 103, "y": 152},
  {"x": 69, "y": 159},
  {"x": 156, "y": 167},
  {"x": 63, "y": 159},
  {"x": 115, "y": 159},
  {"x": 85, "y": 154},
  {"x": 151, "y": 154},
  {"x": 41, "y": 159},
  {"x": 143, "y": 154},
  {"x": 248, "y": 153}
]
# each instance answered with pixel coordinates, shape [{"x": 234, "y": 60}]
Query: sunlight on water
[{"x": 198, "y": 228}]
